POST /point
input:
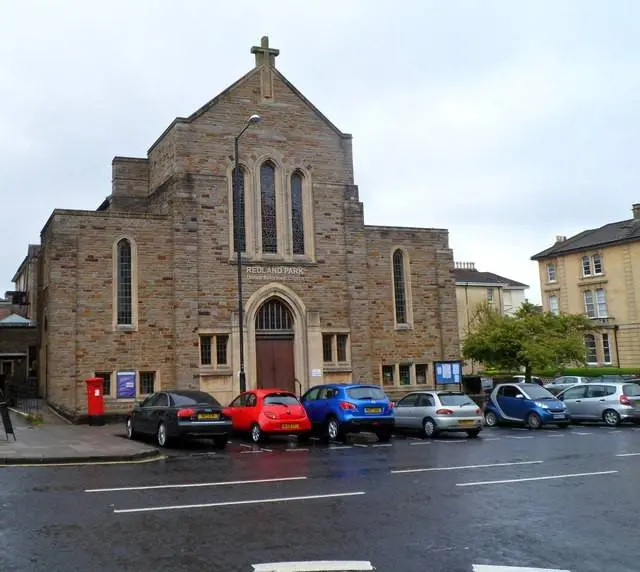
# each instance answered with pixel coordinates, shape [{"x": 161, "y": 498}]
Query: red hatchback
[{"x": 264, "y": 412}]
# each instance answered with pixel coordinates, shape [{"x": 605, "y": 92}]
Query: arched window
[
  {"x": 124, "y": 288},
  {"x": 268, "y": 212},
  {"x": 239, "y": 231},
  {"x": 297, "y": 215},
  {"x": 399, "y": 287},
  {"x": 590, "y": 343},
  {"x": 274, "y": 316}
]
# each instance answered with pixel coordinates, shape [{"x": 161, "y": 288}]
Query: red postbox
[{"x": 95, "y": 399}]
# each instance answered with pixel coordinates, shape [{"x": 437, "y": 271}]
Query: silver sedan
[{"x": 431, "y": 412}]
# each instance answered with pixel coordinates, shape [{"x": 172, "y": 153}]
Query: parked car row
[
  {"x": 528, "y": 404},
  {"x": 329, "y": 411},
  {"x": 334, "y": 410}
]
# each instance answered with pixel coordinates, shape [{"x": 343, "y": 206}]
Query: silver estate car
[
  {"x": 564, "y": 381},
  {"x": 610, "y": 401},
  {"x": 431, "y": 412}
]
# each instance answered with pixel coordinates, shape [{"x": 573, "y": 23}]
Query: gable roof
[
  {"x": 613, "y": 233},
  {"x": 15, "y": 320},
  {"x": 207, "y": 106},
  {"x": 471, "y": 276}
]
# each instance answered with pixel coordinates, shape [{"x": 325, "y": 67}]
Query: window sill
[
  {"x": 215, "y": 370},
  {"x": 125, "y": 328},
  {"x": 404, "y": 327}
]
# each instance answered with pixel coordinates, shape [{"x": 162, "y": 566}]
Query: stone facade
[{"x": 175, "y": 209}]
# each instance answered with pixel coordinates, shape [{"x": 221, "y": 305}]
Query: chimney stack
[
  {"x": 636, "y": 211},
  {"x": 466, "y": 265},
  {"x": 560, "y": 238}
]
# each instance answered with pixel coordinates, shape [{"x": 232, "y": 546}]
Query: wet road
[{"x": 565, "y": 500}]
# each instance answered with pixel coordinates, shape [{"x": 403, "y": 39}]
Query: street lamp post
[{"x": 237, "y": 236}]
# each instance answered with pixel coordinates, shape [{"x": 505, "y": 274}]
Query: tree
[{"x": 530, "y": 339}]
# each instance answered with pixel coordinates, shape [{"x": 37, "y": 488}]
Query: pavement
[
  {"x": 55, "y": 441},
  {"x": 562, "y": 500}
]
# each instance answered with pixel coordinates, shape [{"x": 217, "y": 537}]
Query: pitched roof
[
  {"x": 607, "y": 235},
  {"x": 15, "y": 320},
  {"x": 469, "y": 275}
]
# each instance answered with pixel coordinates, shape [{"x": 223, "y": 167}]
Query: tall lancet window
[
  {"x": 297, "y": 215},
  {"x": 125, "y": 286},
  {"x": 239, "y": 230},
  {"x": 268, "y": 208}
]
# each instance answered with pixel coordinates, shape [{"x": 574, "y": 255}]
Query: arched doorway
[{"x": 275, "y": 365}]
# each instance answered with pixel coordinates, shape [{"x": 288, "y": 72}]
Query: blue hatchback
[
  {"x": 339, "y": 408},
  {"x": 525, "y": 403}
]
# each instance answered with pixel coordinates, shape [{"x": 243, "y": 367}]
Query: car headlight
[{"x": 542, "y": 405}]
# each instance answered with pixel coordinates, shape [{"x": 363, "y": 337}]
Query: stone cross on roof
[{"x": 264, "y": 54}]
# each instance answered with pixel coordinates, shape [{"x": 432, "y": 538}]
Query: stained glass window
[
  {"x": 399, "y": 287},
  {"x": 297, "y": 217},
  {"x": 239, "y": 235},
  {"x": 268, "y": 200},
  {"x": 124, "y": 303}
]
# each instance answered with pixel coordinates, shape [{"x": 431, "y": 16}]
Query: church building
[{"x": 144, "y": 291}]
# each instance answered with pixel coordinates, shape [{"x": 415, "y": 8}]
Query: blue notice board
[
  {"x": 126, "y": 384},
  {"x": 448, "y": 372}
]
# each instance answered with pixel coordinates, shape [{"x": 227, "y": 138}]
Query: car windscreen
[
  {"x": 366, "y": 393},
  {"x": 281, "y": 399},
  {"x": 455, "y": 400},
  {"x": 537, "y": 392},
  {"x": 193, "y": 398},
  {"x": 631, "y": 389}
]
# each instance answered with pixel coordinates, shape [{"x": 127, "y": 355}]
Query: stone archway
[
  {"x": 296, "y": 330},
  {"x": 275, "y": 351}
]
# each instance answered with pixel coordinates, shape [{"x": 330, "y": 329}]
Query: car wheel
[
  {"x": 161, "y": 435},
  {"x": 611, "y": 418},
  {"x": 473, "y": 434},
  {"x": 534, "y": 421},
  {"x": 490, "y": 419},
  {"x": 257, "y": 435},
  {"x": 334, "y": 433},
  {"x": 429, "y": 428},
  {"x": 384, "y": 436},
  {"x": 131, "y": 434},
  {"x": 220, "y": 441}
]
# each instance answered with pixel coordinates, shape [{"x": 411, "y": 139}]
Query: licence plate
[
  {"x": 465, "y": 422},
  {"x": 558, "y": 415},
  {"x": 290, "y": 426},
  {"x": 208, "y": 416},
  {"x": 373, "y": 410}
]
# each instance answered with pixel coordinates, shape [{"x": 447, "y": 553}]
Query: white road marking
[
  {"x": 491, "y": 438},
  {"x": 245, "y": 445},
  {"x": 318, "y": 566},
  {"x": 635, "y": 429},
  {"x": 266, "y": 450},
  {"x": 193, "y": 485},
  {"x": 581, "y": 433},
  {"x": 295, "y": 450},
  {"x": 260, "y": 451},
  {"x": 235, "y": 503},
  {"x": 466, "y": 467},
  {"x": 549, "y": 477},
  {"x": 615, "y": 431},
  {"x": 450, "y": 442},
  {"x": 485, "y": 568},
  {"x": 628, "y": 455},
  {"x": 340, "y": 447},
  {"x": 556, "y": 435},
  {"x": 420, "y": 443},
  {"x": 382, "y": 445},
  {"x": 528, "y": 437},
  {"x": 360, "y": 445}
]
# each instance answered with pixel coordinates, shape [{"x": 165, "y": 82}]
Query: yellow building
[
  {"x": 596, "y": 273},
  {"x": 474, "y": 289}
]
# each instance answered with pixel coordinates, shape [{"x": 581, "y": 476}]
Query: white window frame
[
  {"x": 552, "y": 270},
  {"x": 601, "y": 303},
  {"x": 554, "y": 305},
  {"x": 606, "y": 349},
  {"x": 595, "y": 348},
  {"x": 589, "y": 304},
  {"x": 585, "y": 263},
  {"x": 599, "y": 258}
]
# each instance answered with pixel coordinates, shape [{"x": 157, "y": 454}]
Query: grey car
[
  {"x": 610, "y": 401},
  {"x": 563, "y": 382},
  {"x": 430, "y": 412}
]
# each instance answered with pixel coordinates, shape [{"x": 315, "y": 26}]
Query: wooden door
[{"x": 275, "y": 363}]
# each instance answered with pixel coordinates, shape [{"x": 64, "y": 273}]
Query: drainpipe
[{"x": 615, "y": 342}]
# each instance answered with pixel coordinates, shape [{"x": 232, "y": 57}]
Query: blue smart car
[{"x": 525, "y": 404}]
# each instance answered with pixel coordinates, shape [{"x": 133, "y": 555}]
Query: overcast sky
[{"x": 507, "y": 122}]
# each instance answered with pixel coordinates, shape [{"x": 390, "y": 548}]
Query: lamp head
[{"x": 254, "y": 119}]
